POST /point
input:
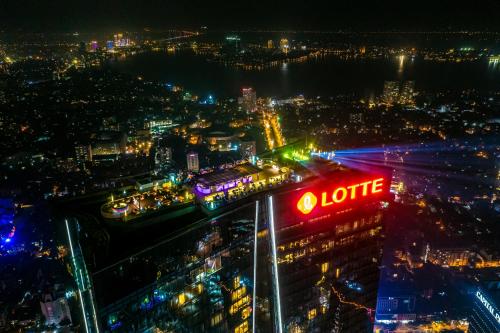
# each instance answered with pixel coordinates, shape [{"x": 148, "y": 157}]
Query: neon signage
[
  {"x": 340, "y": 194},
  {"x": 491, "y": 309}
]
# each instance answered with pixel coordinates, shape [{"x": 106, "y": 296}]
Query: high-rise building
[
  {"x": 193, "y": 163},
  {"x": 390, "y": 94},
  {"x": 55, "y": 311},
  {"x": 284, "y": 46},
  {"x": 110, "y": 45},
  {"x": 163, "y": 156},
  {"x": 497, "y": 178},
  {"x": 94, "y": 46},
  {"x": 396, "y": 309},
  {"x": 485, "y": 313},
  {"x": 249, "y": 99},
  {"x": 232, "y": 44},
  {"x": 298, "y": 258},
  {"x": 328, "y": 246},
  {"x": 407, "y": 95},
  {"x": 83, "y": 153},
  {"x": 396, "y": 92},
  {"x": 158, "y": 126}
]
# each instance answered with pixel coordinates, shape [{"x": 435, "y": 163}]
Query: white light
[
  {"x": 83, "y": 310},
  {"x": 491, "y": 309},
  {"x": 255, "y": 264},
  {"x": 275, "y": 263},
  {"x": 74, "y": 264}
]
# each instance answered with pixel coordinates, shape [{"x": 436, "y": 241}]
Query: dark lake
[{"x": 324, "y": 76}]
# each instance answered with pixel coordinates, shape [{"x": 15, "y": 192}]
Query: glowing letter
[
  {"x": 365, "y": 187},
  {"x": 342, "y": 198},
  {"x": 353, "y": 190},
  {"x": 323, "y": 200},
  {"x": 377, "y": 184}
]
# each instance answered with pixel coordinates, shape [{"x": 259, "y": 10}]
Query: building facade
[
  {"x": 485, "y": 314},
  {"x": 193, "y": 164},
  {"x": 301, "y": 258}
]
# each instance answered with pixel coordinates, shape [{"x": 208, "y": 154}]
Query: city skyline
[{"x": 249, "y": 166}]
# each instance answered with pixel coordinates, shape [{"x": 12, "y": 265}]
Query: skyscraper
[
  {"x": 94, "y": 46},
  {"x": 83, "y": 153},
  {"x": 193, "y": 162},
  {"x": 390, "y": 94},
  {"x": 407, "y": 95},
  {"x": 298, "y": 258},
  {"x": 249, "y": 99},
  {"x": 163, "y": 156},
  {"x": 232, "y": 44},
  {"x": 396, "y": 92},
  {"x": 284, "y": 46},
  {"x": 485, "y": 314},
  {"x": 328, "y": 247}
]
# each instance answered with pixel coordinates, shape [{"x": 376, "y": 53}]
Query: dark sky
[{"x": 421, "y": 15}]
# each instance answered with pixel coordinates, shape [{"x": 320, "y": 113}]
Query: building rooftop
[{"x": 228, "y": 175}]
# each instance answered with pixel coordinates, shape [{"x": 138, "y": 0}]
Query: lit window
[
  {"x": 242, "y": 328},
  {"x": 236, "y": 282},
  {"x": 311, "y": 314},
  {"x": 246, "y": 312},
  {"x": 181, "y": 299},
  {"x": 216, "y": 319}
]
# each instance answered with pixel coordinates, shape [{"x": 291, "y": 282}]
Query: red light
[{"x": 308, "y": 201}]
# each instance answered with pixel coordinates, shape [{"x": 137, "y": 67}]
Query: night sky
[{"x": 402, "y": 15}]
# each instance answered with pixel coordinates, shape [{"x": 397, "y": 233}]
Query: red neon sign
[{"x": 340, "y": 194}]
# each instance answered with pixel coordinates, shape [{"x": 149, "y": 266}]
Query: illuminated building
[
  {"x": 450, "y": 257},
  {"x": 83, "y": 153},
  {"x": 94, "y": 46},
  {"x": 159, "y": 126},
  {"x": 109, "y": 145},
  {"x": 55, "y": 311},
  {"x": 270, "y": 44},
  {"x": 119, "y": 41},
  {"x": 193, "y": 163},
  {"x": 396, "y": 92},
  {"x": 284, "y": 46},
  {"x": 292, "y": 258},
  {"x": 407, "y": 95},
  {"x": 390, "y": 94},
  {"x": 163, "y": 156},
  {"x": 221, "y": 140},
  {"x": 248, "y": 149},
  {"x": 399, "y": 309},
  {"x": 232, "y": 44},
  {"x": 328, "y": 238},
  {"x": 249, "y": 99},
  {"x": 485, "y": 313},
  {"x": 215, "y": 188}
]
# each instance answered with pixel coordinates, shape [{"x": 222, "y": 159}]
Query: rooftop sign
[
  {"x": 491, "y": 308},
  {"x": 341, "y": 194}
]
